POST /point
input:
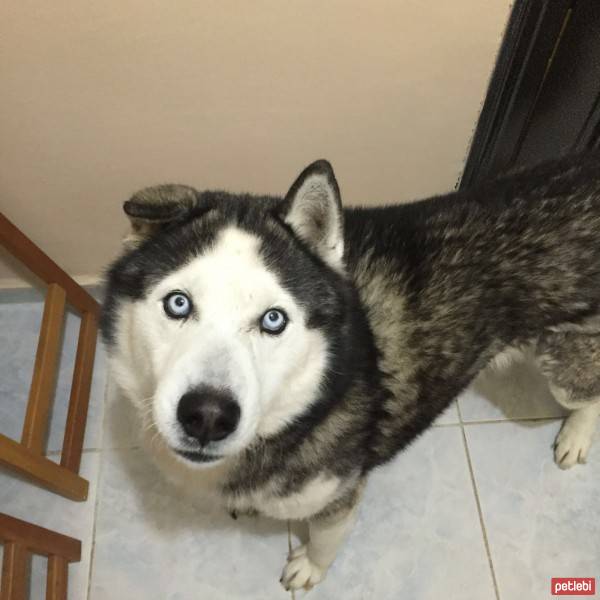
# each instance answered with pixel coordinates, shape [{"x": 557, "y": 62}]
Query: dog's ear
[
  {"x": 313, "y": 209},
  {"x": 154, "y": 207}
]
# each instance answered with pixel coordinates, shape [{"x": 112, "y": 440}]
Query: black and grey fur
[{"x": 413, "y": 300}]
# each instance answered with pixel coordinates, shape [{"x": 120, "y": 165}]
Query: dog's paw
[
  {"x": 300, "y": 571},
  {"x": 572, "y": 443}
]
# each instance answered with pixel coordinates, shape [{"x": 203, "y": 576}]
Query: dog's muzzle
[{"x": 208, "y": 414}]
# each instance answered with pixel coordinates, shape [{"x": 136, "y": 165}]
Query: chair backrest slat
[{"x": 35, "y": 427}]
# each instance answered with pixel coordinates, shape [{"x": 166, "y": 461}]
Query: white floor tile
[
  {"x": 449, "y": 416},
  {"x": 19, "y": 327},
  {"x": 152, "y": 544},
  {"x": 121, "y": 428},
  {"x": 23, "y": 500},
  {"x": 519, "y": 392},
  {"x": 541, "y": 522},
  {"x": 418, "y": 534}
]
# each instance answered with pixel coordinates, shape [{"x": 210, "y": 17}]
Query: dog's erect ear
[
  {"x": 154, "y": 207},
  {"x": 313, "y": 209}
]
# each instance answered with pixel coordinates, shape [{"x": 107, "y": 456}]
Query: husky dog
[{"x": 279, "y": 349}]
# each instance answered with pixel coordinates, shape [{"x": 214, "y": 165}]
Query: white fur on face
[{"x": 272, "y": 377}]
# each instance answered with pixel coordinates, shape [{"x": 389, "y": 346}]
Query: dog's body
[{"x": 388, "y": 314}]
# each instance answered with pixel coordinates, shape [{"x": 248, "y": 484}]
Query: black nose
[{"x": 208, "y": 414}]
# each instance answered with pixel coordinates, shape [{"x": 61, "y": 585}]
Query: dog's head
[{"x": 224, "y": 311}]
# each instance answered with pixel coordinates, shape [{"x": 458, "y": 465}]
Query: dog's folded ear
[
  {"x": 313, "y": 209},
  {"x": 154, "y": 207}
]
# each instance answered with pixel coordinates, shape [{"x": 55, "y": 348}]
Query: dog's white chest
[
  {"x": 301, "y": 504},
  {"x": 205, "y": 486}
]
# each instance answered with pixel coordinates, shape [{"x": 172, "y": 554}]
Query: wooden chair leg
[
  {"x": 14, "y": 572},
  {"x": 58, "y": 574}
]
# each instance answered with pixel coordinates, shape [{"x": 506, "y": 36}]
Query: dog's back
[
  {"x": 526, "y": 246},
  {"x": 451, "y": 281}
]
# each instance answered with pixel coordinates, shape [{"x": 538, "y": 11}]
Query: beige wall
[{"x": 99, "y": 99}]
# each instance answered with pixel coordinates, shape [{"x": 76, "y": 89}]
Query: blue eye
[
  {"x": 273, "y": 321},
  {"x": 177, "y": 305}
]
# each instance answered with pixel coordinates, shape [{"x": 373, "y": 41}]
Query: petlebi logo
[{"x": 573, "y": 586}]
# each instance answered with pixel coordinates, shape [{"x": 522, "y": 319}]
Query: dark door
[{"x": 544, "y": 97}]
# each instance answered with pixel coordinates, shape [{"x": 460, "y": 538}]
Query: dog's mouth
[{"x": 198, "y": 456}]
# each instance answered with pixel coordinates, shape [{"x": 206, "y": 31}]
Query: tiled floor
[{"x": 475, "y": 509}]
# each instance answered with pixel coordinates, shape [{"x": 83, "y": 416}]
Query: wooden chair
[
  {"x": 21, "y": 539},
  {"x": 26, "y": 456}
]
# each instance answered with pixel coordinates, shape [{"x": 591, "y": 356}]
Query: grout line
[
  {"x": 93, "y": 544},
  {"x": 83, "y": 451},
  {"x": 120, "y": 448},
  {"x": 495, "y": 421},
  {"x": 516, "y": 420},
  {"x": 434, "y": 425},
  {"x": 289, "y": 532},
  {"x": 478, "y": 503},
  {"x": 94, "y": 450},
  {"x": 98, "y": 482}
]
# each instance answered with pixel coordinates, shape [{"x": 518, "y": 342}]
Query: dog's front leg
[{"x": 308, "y": 564}]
